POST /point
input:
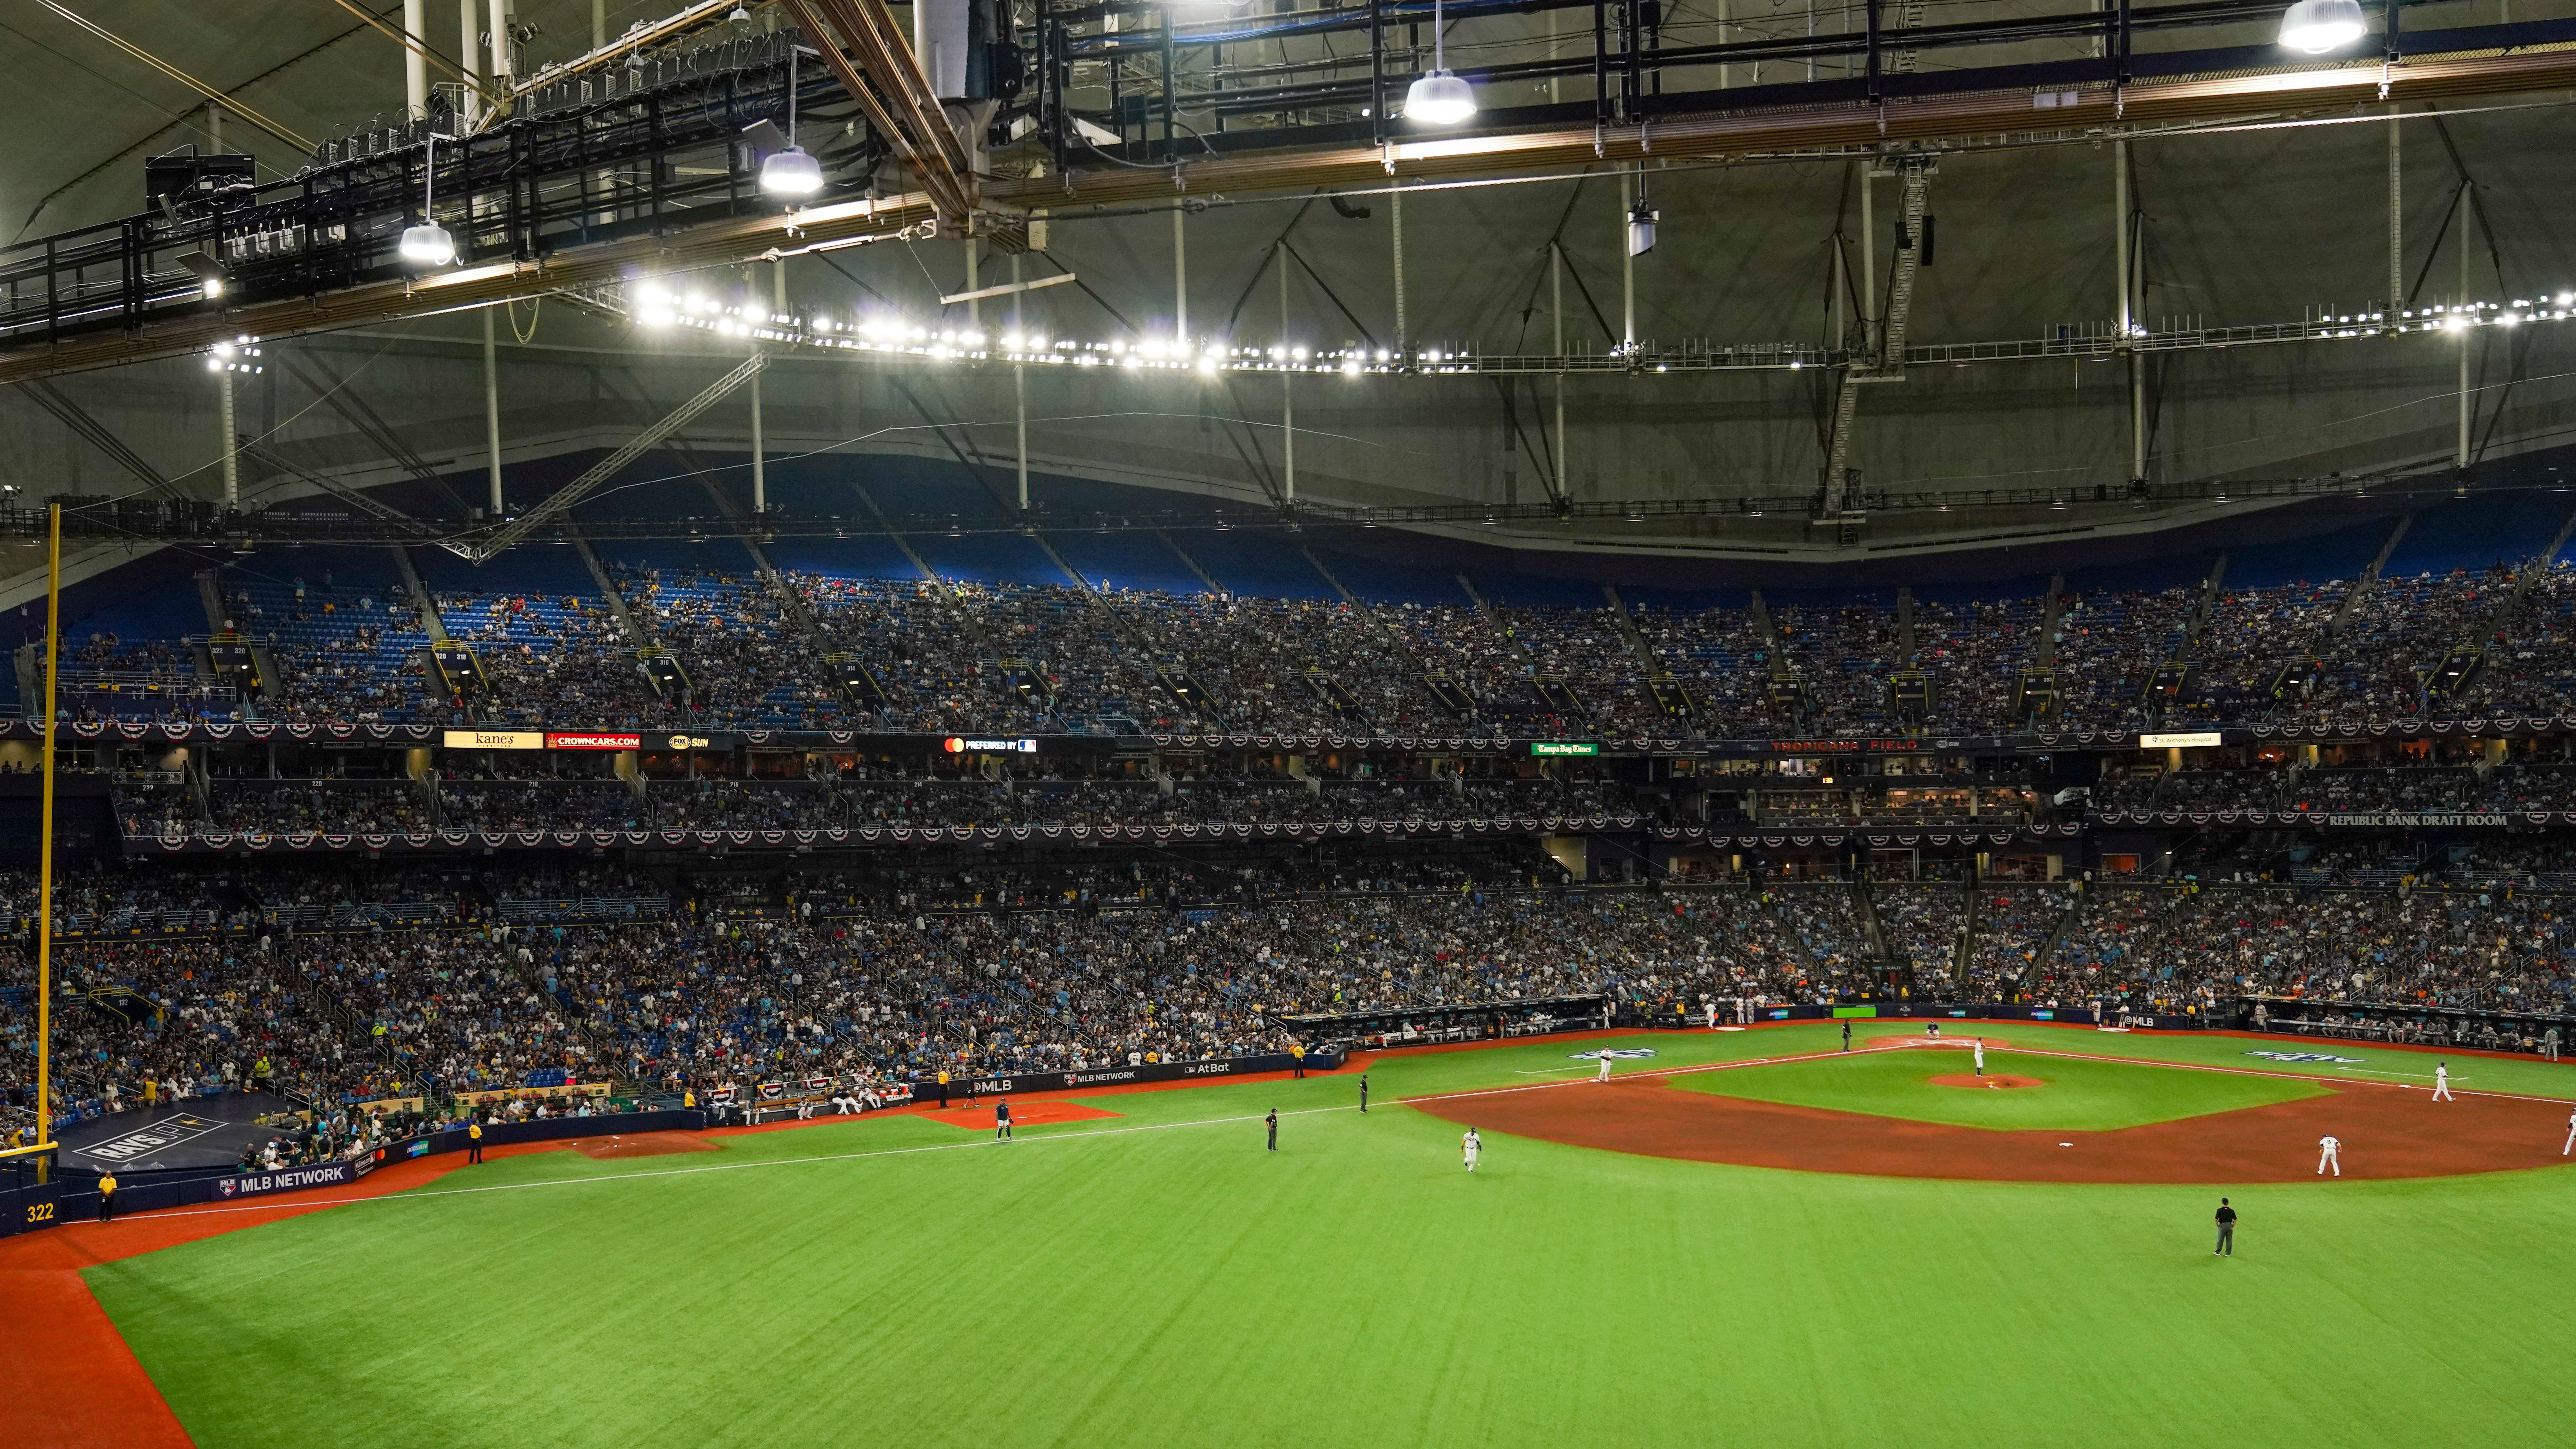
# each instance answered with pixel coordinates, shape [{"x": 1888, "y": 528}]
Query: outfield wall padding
[{"x": 75, "y": 1198}]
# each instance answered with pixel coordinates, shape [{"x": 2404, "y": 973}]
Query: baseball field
[{"x": 1745, "y": 1238}]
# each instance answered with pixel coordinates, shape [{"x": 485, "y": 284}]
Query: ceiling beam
[
  {"x": 2001, "y": 116},
  {"x": 729, "y": 242}
]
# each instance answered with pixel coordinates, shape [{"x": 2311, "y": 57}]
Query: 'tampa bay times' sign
[{"x": 288, "y": 1179}]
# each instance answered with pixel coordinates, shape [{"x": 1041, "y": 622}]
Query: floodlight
[
  {"x": 788, "y": 170},
  {"x": 791, "y": 172},
  {"x": 428, "y": 244},
  {"x": 1439, "y": 98},
  {"x": 2317, "y": 26}
]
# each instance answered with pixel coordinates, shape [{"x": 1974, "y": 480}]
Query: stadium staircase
[{"x": 2066, "y": 920}]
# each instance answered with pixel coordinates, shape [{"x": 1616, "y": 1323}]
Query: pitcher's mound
[{"x": 1996, "y": 1080}]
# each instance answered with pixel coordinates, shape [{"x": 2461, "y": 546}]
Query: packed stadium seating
[
  {"x": 351, "y": 984},
  {"x": 1010, "y": 650}
]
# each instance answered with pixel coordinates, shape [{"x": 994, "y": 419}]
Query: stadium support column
[
  {"x": 415, "y": 64},
  {"x": 500, "y": 38},
  {"x": 1180, "y": 275},
  {"x": 1020, "y": 386},
  {"x": 2460, "y": 453},
  {"x": 231, "y": 440},
  {"x": 1556, "y": 310},
  {"x": 492, "y": 412},
  {"x": 2124, "y": 258},
  {"x": 1402, "y": 333},
  {"x": 2396, "y": 221},
  {"x": 469, "y": 42},
  {"x": 1868, "y": 265},
  {"x": 1287, "y": 383},
  {"x": 1627, "y": 264},
  {"x": 759, "y": 444},
  {"x": 759, "y": 452},
  {"x": 224, "y": 379}
]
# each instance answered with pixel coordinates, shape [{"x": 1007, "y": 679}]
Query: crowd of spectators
[
  {"x": 892, "y": 978},
  {"x": 945, "y": 655},
  {"x": 1922, "y": 926}
]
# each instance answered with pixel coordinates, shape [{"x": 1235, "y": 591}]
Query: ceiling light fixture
[
  {"x": 208, "y": 272},
  {"x": 790, "y": 171},
  {"x": 2317, "y": 26},
  {"x": 428, "y": 244},
  {"x": 1440, "y": 98}
]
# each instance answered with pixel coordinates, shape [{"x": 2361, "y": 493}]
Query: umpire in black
[
  {"x": 1273, "y": 1121},
  {"x": 2226, "y": 1231}
]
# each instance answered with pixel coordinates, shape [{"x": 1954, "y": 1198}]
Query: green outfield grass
[
  {"x": 1160, "y": 1279},
  {"x": 2079, "y": 1095}
]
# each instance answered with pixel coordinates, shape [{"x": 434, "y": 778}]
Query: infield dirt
[{"x": 2386, "y": 1131}]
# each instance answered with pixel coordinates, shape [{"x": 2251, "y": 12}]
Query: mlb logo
[{"x": 225, "y": 1187}]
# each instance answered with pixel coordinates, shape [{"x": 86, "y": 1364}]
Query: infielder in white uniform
[
  {"x": 1605, "y": 1067},
  {"x": 1711, "y": 1007},
  {"x": 2571, "y": 1134},
  {"x": 2328, "y": 1158},
  {"x": 1471, "y": 1144},
  {"x": 2442, "y": 1082},
  {"x": 1981, "y": 1056}
]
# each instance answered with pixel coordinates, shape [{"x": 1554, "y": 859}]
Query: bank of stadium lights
[
  {"x": 239, "y": 355},
  {"x": 656, "y": 306},
  {"x": 2317, "y": 26}
]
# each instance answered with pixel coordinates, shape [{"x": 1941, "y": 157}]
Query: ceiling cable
[{"x": 200, "y": 87}]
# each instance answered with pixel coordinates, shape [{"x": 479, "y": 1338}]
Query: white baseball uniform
[
  {"x": 1712, "y": 1016},
  {"x": 2571, "y": 1134},
  {"x": 1471, "y": 1145},
  {"x": 1605, "y": 1068},
  {"x": 2442, "y": 1084},
  {"x": 1981, "y": 1056},
  {"x": 2328, "y": 1158}
]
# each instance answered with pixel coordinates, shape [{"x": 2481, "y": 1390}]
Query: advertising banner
[
  {"x": 495, "y": 740},
  {"x": 558, "y": 741},
  {"x": 286, "y": 1179},
  {"x": 999, "y": 1085}
]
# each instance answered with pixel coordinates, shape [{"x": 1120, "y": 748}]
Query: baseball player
[
  {"x": 1470, "y": 1145},
  {"x": 1605, "y": 1067},
  {"x": 1980, "y": 1044},
  {"x": 2571, "y": 1134},
  {"x": 1711, "y": 1008},
  {"x": 2328, "y": 1157},
  {"x": 1002, "y": 1119},
  {"x": 2442, "y": 1082}
]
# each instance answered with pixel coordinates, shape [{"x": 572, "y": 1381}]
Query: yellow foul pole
[{"x": 45, "y": 849}]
